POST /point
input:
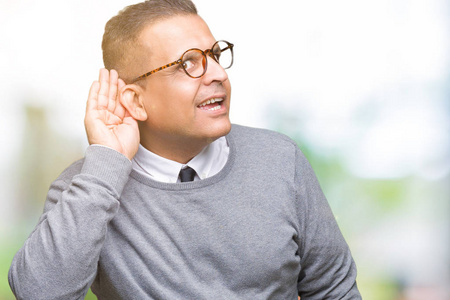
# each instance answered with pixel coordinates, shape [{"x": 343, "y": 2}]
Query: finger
[
  {"x": 93, "y": 96},
  {"x": 120, "y": 84},
  {"x": 104, "y": 89},
  {"x": 119, "y": 109},
  {"x": 113, "y": 81}
]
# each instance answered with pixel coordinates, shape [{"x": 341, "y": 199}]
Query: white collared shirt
[{"x": 207, "y": 163}]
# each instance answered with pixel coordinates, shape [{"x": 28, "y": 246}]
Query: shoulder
[
  {"x": 264, "y": 138},
  {"x": 259, "y": 146},
  {"x": 259, "y": 134}
]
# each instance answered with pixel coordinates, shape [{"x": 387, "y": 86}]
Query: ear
[{"x": 130, "y": 98}]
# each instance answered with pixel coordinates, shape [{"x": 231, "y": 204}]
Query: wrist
[{"x": 108, "y": 165}]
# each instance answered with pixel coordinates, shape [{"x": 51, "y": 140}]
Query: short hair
[{"x": 120, "y": 43}]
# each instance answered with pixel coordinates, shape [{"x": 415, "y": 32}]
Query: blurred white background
[{"x": 363, "y": 86}]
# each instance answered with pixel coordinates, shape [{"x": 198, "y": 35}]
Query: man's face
[{"x": 173, "y": 101}]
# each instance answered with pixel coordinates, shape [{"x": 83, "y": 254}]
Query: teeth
[
  {"x": 215, "y": 107},
  {"x": 211, "y": 101}
]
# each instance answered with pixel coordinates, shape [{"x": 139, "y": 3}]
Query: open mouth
[{"x": 211, "y": 104}]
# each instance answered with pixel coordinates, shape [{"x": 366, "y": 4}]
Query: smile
[{"x": 211, "y": 104}]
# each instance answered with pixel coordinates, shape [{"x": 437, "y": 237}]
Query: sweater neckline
[{"x": 193, "y": 184}]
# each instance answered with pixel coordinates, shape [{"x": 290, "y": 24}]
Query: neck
[{"x": 179, "y": 150}]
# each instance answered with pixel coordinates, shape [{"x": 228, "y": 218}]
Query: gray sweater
[{"x": 259, "y": 229}]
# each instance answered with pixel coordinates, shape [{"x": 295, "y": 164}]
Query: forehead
[{"x": 169, "y": 38}]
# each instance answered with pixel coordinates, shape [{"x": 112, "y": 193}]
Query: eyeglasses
[{"x": 194, "y": 61}]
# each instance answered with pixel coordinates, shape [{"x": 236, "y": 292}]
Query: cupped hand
[{"x": 107, "y": 121}]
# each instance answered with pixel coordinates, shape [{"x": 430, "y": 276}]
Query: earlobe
[{"x": 129, "y": 98}]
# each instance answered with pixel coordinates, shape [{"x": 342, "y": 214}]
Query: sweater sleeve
[
  {"x": 59, "y": 259},
  {"x": 327, "y": 267}
]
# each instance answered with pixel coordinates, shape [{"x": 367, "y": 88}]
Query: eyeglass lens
[{"x": 194, "y": 60}]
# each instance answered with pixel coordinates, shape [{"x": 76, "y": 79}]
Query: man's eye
[{"x": 188, "y": 65}]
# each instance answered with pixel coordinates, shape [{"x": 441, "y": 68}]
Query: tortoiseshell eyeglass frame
[{"x": 208, "y": 52}]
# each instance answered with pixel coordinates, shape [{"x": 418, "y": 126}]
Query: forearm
[{"x": 59, "y": 259}]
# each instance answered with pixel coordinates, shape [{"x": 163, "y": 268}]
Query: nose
[{"x": 214, "y": 72}]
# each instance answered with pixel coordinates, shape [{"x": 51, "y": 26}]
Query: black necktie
[{"x": 187, "y": 174}]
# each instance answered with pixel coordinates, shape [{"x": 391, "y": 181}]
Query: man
[{"x": 246, "y": 218}]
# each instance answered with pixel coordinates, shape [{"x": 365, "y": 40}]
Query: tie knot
[{"x": 187, "y": 174}]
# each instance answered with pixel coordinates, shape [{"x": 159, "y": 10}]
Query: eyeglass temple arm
[{"x": 156, "y": 70}]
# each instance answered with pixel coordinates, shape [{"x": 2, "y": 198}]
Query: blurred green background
[{"x": 363, "y": 87}]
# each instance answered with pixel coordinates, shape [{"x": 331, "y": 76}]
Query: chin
[{"x": 218, "y": 130}]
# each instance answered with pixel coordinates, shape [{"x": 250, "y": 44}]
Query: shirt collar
[{"x": 206, "y": 164}]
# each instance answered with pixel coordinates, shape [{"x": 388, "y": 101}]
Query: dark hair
[{"x": 120, "y": 40}]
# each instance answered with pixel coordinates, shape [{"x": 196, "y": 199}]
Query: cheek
[{"x": 170, "y": 105}]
